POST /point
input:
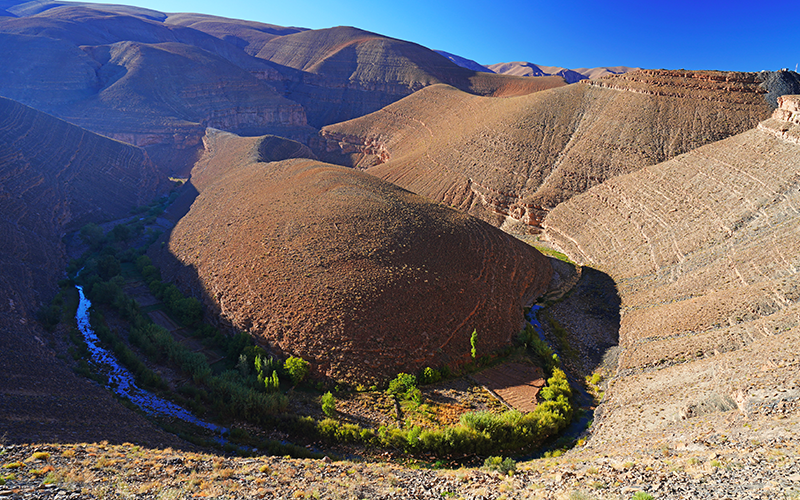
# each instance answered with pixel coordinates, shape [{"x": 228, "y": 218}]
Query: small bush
[
  {"x": 297, "y": 368},
  {"x": 429, "y": 376},
  {"x": 641, "y": 495},
  {"x": 473, "y": 341},
  {"x": 404, "y": 387},
  {"x": 504, "y": 467},
  {"x": 40, "y": 455},
  {"x": 49, "y": 316}
]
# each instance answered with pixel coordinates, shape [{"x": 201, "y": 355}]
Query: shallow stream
[{"x": 122, "y": 382}]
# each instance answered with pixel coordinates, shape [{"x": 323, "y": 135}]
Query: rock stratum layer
[
  {"x": 703, "y": 249},
  {"x": 512, "y": 160},
  {"x": 54, "y": 177},
  {"x": 359, "y": 277}
]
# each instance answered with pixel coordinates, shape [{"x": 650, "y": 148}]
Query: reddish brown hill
[
  {"x": 359, "y": 277},
  {"x": 350, "y": 72},
  {"x": 152, "y": 92},
  {"x": 250, "y": 36},
  {"x": 125, "y": 74},
  {"x": 510, "y": 160},
  {"x": 55, "y": 177},
  {"x": 703, "y": 249}
]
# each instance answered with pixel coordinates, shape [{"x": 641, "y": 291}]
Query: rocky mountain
[
  {"x": 512, "y": 160},
  {"x": 139, "y": 80},
  {"x": 521, "y": 68},
  {"x": 703, "y": 251},
  {"x": 359, "y": 277},
  {"x": 249, "y": 36},
  {"x": 55, "y": 177}
]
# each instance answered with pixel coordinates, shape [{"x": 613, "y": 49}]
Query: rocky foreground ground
[{"x": 746, "y": 459}]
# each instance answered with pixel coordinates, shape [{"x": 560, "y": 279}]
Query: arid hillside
[
  {"x": 512, "y": 160},
  {"x": 138, "y": 80},
  {"x": 54, "y": 177},
  {"x": 348, "y": 72},
  {"x": 249, "y": 36},
  {"x": 359, "y": 277},
  {"x": 158, "y": 80},
  {"x": 703, "y": 249}
]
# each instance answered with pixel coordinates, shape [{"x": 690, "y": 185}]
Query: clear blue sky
[{"x": 700, "y": 34}]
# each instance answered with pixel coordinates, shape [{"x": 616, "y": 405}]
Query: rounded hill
[{"x": 361, "y": 278}]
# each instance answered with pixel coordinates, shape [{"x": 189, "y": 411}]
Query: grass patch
[{"x": 552, "y": 253}]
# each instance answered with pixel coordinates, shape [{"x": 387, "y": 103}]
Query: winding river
[
  {"x": 122, "y": 382},
  {"x": 584, "y": 400}
]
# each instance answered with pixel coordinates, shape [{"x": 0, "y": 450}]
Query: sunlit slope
[
  {"x": 512, "y": 160},
  {"x": 349, "y": 72},
  {"x": 703, "y": 249}
]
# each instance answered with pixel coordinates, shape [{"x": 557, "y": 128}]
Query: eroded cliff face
[
  {"x": 785, "y": 119},
  {"x": 703, "y": 249},
  {"x": 510, "y": 161},
  {"x": 270, "y": 249}
]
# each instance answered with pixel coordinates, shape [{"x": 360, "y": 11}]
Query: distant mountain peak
[
  {"x": 464, "y": 62},
  {"x": 524, "y": 68}
]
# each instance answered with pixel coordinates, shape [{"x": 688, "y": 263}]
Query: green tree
[
  {"x": 121, "y": 232},
  {"x": 473, "y": 340},
  {"x": 404, "y": 386},
  {"x": 108, "y": 266},
  {"x": 328, "y": 404},
  {"x": 93, "y": 235},
  {"x": 297, "y": 368}
]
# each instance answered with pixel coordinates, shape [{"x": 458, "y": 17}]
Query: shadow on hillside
[{"x": 591, "y": 316}]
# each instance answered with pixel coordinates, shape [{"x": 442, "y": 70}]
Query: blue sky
[{"x": 725, "y": 35}]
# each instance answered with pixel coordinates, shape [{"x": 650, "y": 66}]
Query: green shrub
[
  {"x": 500, "y": 465},
  {"x": 404, "y": 387},
  {"x": 49, "y": 316},
  {"x": 641, "y": 495},
  {"x": 93, "y": 235},
  {"x": 108, "y": 266},
  {"x": 121, "y": 232},
  {"x": 297, "y": 368},
  {"x": 429, "y": 376},
  {"x": 328, "y": 404},
  {"x": 539, "y": 349},
  {"x": 272, "y": 383}
]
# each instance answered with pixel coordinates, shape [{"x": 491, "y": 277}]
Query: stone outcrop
[
  {"x": 703, "y": 251},
  {"x": 359, "y": 277},
  {"x": 785, "y": 120},
  {"x": 510, "y": 161}
]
